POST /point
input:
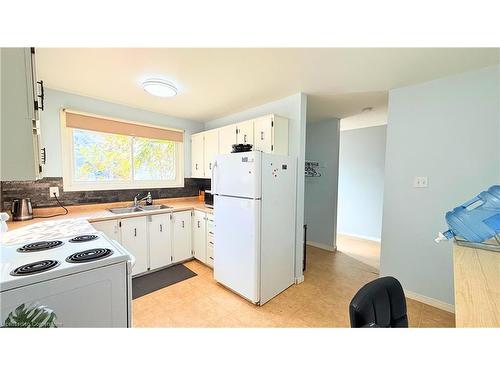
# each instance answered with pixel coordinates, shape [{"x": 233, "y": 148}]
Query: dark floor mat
[{"x": 146, "y": 284}]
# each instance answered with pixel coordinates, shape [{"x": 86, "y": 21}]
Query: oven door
[{"x": 95, "y": 298}]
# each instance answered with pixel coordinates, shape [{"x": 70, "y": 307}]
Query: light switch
[{"x": 421, "y": 182}]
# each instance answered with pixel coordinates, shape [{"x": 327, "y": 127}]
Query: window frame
[{"x": 68, "y": 163}]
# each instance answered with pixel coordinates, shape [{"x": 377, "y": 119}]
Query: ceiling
[{"x": 216, "y": 82}]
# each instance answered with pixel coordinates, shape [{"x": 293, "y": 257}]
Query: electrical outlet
[
  {"x": 54, "y": 190},
  {"x": 421, "y": 182}
]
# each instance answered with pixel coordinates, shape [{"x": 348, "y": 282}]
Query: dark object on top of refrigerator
[{"x": 241, "y": 148}]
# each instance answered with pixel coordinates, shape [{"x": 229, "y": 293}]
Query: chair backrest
[{"x": 380, "y": 303}]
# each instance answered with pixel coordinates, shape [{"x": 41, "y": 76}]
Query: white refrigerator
[{"x": 254, "y": 212}]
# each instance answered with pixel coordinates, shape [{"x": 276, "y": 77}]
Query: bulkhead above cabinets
[{"x": 268, "y": 134}]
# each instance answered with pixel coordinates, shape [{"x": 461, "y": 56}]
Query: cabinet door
[
  {"x": 134, "y": 239},
  {"x": 199, "y": 236},
  {"x": 227, "y": 138},
  {"x": 160, "y": 241},
  {"x": 110, "y": 228},
  {"x": 182, "y": 232},
  {"x": 211, "y": 149},
  {"x": 197, "y": 155},
  {"x": 263, "y": 134},
  {"x": 245, "y": 132}
]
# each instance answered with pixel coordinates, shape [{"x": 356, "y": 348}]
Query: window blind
[{"x": 105, "y": 125}]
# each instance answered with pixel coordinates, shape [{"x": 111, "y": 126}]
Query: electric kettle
[{"x": 21, "y": 209}]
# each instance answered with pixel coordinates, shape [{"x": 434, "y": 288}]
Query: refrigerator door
[
  {"x": 237, "y": 241},
  {"x": 238, "y": 175},
  {"x": 279, "y": 178}
]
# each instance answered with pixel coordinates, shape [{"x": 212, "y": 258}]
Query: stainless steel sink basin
[
  {"x": 129, "y": 210},
  {"x": 124, "y": 210},
  {"x": 155, "y": 207}
]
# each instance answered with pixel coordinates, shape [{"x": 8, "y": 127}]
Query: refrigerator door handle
[{"x": 213, "y": 177}]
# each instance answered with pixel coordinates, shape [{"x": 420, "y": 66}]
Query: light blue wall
[
  {"x": 361, "y": 181},
  {"x": 448, "y": 130},
  {"x": 322, "y": 144},
  {"x": 294, "y": 109},
  {"x": 51, "y": 128}
]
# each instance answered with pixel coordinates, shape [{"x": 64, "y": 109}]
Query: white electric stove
[{"x": 84, "y": 280}]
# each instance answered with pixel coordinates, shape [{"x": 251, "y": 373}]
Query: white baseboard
[
  {"x": 375, "y": 239},
  {"x": 430, "y": 301},
  {"x": 321, "y": 246},
  {"x": 299, "y": 279}
]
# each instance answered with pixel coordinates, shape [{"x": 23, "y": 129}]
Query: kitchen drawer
[{"x": 210, "y": 252}]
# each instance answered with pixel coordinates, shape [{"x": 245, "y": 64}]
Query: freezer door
[
  {"x": 237, "y": 239},
  {"x": 238, "y": 175}
]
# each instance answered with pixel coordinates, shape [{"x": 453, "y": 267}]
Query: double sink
[{"x": 128, "y": 210}]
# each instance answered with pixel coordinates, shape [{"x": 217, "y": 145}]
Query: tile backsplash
[{"x": 38, "y": 191}]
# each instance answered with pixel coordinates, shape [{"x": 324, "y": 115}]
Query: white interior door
[
  {"x": 134, "y": 239},
  {"x": 211, "y": 149},
  {"x": 236, "y": 251},
  {"x": 160, "y": 241},
  {"x": 182, "y": 232},
  {"x": 199, "y": 236},
  {"x": 227, "y": 138}
]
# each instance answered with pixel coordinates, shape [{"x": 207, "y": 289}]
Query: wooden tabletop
[{"x": 477, "y": 287}]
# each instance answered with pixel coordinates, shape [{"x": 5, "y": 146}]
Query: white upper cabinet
[
  {"x": 197, "y": 154},
  {"x": 227, "y": 138},
  {"x": 21, "y": 99},
  {"x": 271, "y": 135},
  {"x": 211, "y": 148},
  {"x": 268, "y": 134},
  {"x": 245, "y": 134},
  {"x": 160, "y": 241}
]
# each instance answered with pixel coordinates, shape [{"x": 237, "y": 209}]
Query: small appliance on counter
[
  {"x": 476, "y": 223},
  {"x": 21, "y": 209},
  {"x": 209, "y": 199}
]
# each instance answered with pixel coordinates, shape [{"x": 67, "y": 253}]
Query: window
[{"x": 102, "y": 160}]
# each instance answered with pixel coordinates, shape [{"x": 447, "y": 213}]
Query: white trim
[
  {"x": 322, "y": 246},
  {"x": 299, "y": 279},
  {"x": 70, "y": 185},
  {"x": 430, "y": 301},
  {"x": 374, "y": 239}
]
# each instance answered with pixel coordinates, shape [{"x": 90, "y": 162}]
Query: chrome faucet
[{"x": 147, "y": 197}]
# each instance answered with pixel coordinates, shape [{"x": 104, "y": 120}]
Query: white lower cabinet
[
  {"x": 199, "y": 236},
  {"x": 157, "y": 241},
  {"x": 181, "y": 234},
  {"x": 110, "y": 228},
  {"x": 160, "y": 241},
  {"x": 135, "y": 239}
]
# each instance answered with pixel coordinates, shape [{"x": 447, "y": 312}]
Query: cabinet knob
[
  {"x": 135, "y": 232},
  {"x": 183, "y": 223},
  {"x": 210, "y": 166},
  {"x": 196, "y": 166},
  {"x": 261, "y": 136},
  {"x": 161, "y": 228},
  {"x": 245, "y": 138},
  {"x": 198, "y": 223}
]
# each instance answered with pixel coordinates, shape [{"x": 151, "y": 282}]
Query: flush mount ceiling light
[{"x": 159, "y": 87}]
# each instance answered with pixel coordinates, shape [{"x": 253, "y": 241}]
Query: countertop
[
  {"x": 477, "y": 287},
  {"x": 78, "y": 218}
]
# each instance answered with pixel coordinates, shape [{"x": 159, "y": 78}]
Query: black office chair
[{"x": 380, "y": 303}]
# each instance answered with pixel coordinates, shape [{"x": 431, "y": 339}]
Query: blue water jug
[{"x": 477, "y": 220}]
